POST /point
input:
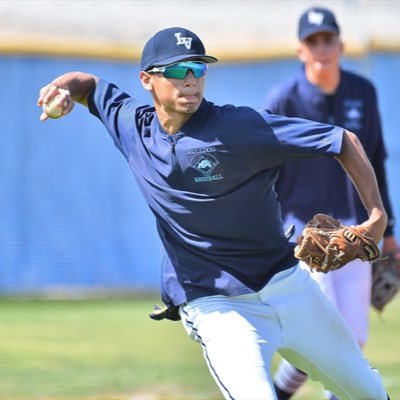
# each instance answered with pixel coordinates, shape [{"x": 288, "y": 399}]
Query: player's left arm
[
  {"x": 356, "y": 164},
  {"x": 377, "y": 157}
]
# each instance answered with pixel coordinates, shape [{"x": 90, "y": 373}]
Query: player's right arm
[{"x": 78, "y": 86}]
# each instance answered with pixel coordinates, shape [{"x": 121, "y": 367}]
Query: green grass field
[{"x": 111, "y": 350}]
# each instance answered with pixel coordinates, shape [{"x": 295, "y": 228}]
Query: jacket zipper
[{"x": 175, "y": 163}]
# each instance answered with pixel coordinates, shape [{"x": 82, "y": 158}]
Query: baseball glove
[
  {"x": 385, "y": 280},
  {"x": 325, "y": 244},
  {"x": 166, "y": 312}
]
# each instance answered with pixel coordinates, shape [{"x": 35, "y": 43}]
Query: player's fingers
[
  {"x": 44, "y": 116},
  {"x": 60, "y": 99},
  {"x": 47, "y": 93},
  {"x": 64, "y": 98},
  {"x": 68, "y": 107}
]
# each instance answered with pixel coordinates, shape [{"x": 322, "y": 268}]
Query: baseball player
[
  {"x": 322, "y": 91},
  {"x": 207, "y": 173}
]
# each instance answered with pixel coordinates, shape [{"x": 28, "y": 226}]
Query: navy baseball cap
[
  {"x": 173, "y": 45},
  {"x": 315, "y": 20}
]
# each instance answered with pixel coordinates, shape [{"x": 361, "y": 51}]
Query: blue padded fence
[{"x": 71, "y": 215}]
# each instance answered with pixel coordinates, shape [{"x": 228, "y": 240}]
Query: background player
[
  {"x": 207, "y": 173},
  {"x": 322, "y": 91}
]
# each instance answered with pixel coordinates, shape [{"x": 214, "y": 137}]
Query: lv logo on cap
[
  {"x": 186, "y": 41},
  {"x": 315, "y": 17}
]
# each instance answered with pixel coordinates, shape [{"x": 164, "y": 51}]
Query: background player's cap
[
  {"x": 317, "y": 19},
  {"x": 173, "y": 45}
]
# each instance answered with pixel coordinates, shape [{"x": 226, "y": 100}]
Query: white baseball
[{"x": 53, "y": 109}]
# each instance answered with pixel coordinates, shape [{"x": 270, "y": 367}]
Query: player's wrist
[{"x": 376, "y": 224}]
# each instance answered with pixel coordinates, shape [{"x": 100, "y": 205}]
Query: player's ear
[
  {"x": 300, "y": 52},
  {"x": 146, "y": 80},
  {"x": 341, "y": 47}
]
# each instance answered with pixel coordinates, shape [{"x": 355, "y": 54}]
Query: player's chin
[
  {"x": 189, "y": 107},
  {"x": 323, "y": 66}
]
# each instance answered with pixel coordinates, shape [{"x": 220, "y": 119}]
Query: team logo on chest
[
  {"x": 353, "y": 112},
  {"x": 204, "y": 163}
]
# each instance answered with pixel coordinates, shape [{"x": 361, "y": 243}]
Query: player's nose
[{"x": 189, "y": 78}]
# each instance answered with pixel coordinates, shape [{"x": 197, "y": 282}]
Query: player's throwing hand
[{"x": 56, "y": 102}]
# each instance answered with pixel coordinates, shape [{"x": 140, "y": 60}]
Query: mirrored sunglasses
[{"x": 180, "y": 70}]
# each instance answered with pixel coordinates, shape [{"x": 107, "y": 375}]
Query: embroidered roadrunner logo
[
  {"x": 353, "y": 113},
  {"x": 204, "y": 163}
]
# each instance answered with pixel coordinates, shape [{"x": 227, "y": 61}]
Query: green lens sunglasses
[{"x": 180, "y": 70}]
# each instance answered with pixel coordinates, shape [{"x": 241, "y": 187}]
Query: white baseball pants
[
  {"x": 240, "y": 334},
  {"x": 349, "y": 290}
]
